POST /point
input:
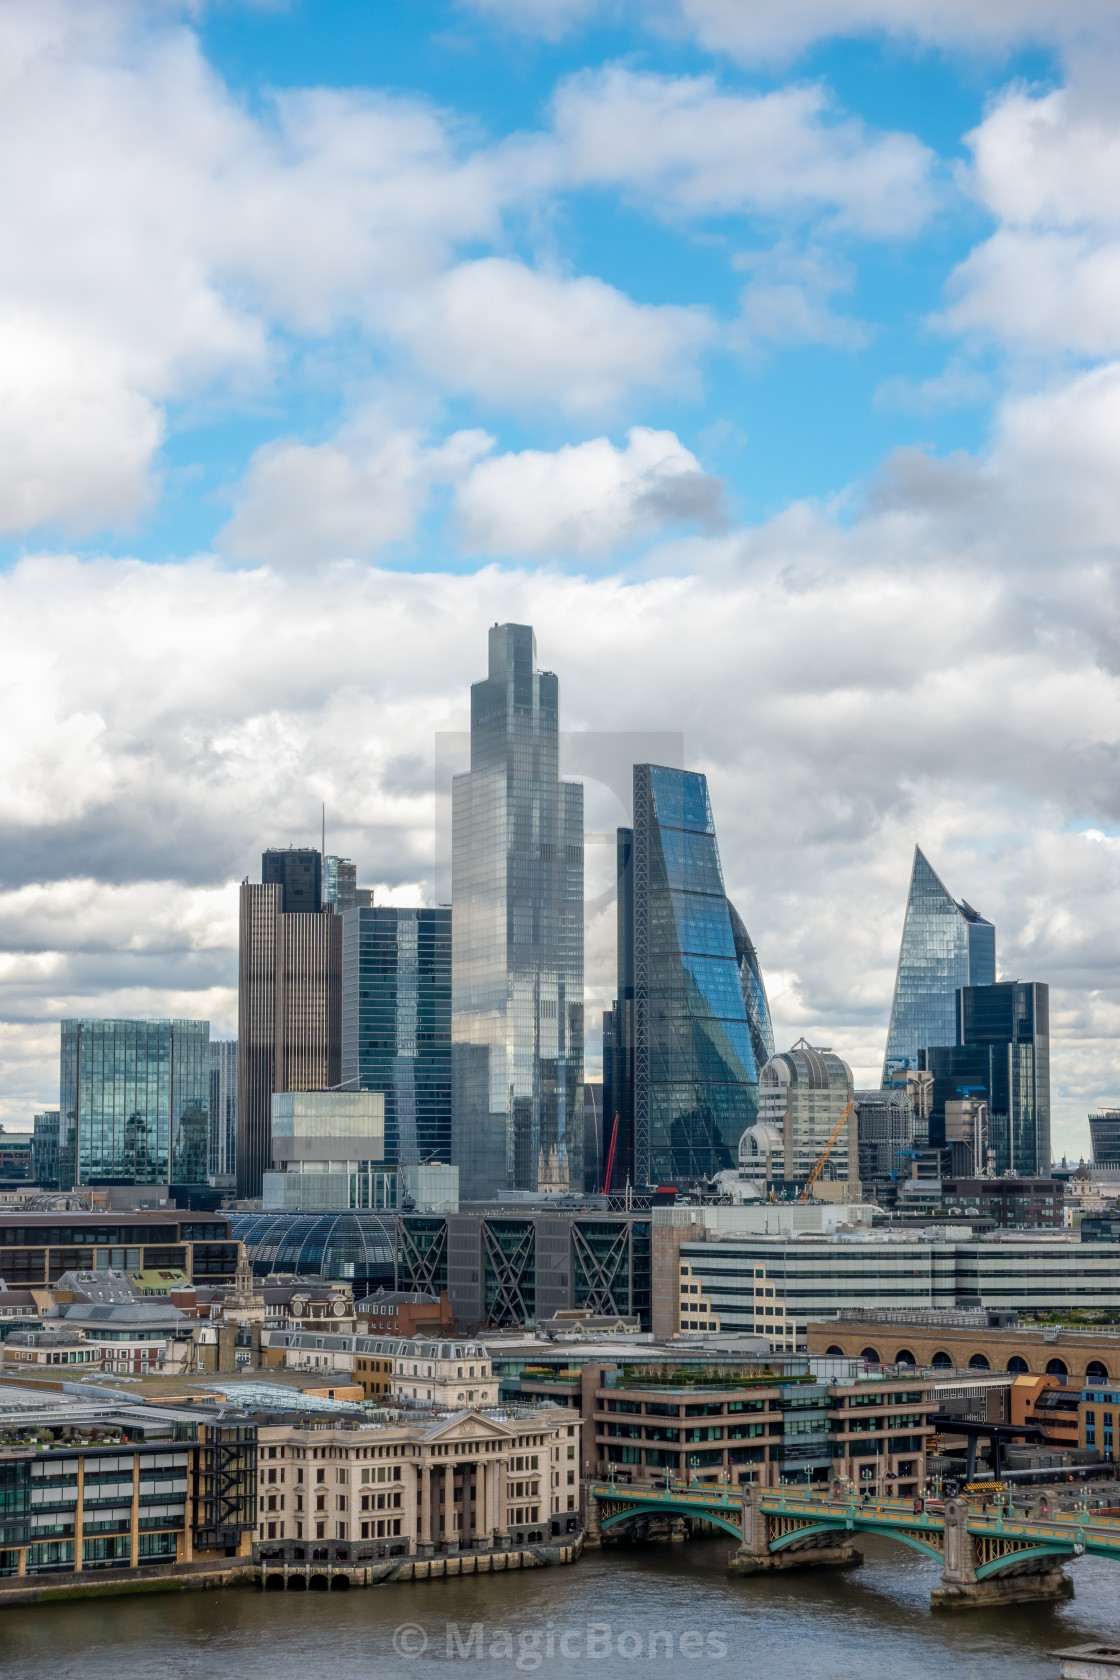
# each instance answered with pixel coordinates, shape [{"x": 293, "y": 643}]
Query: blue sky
[{"x": 765, "y": 358}]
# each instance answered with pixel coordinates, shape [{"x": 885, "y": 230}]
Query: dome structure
[
  {"x": 760, "y": 1147},
  {"x": 357, "y": 1246}
]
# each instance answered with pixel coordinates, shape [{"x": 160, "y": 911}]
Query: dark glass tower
[
  {"x": 396, "y": 1024},
  {"x": 945, "y": 945},
  {"x": 134, "y": 1102},
  {"x": 685, "y": 1074},
  {"x": 517, "y": 946},
  {"x": 298, "y": 872},
  {"x": 1002, "y": 1056}
]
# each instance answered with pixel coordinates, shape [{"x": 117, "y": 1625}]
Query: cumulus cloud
[
  {"x": 520, "y": 337},
  {"x": 344, "y": 499},
  {"x": 585, "y": 499},
  {"x": 693, "y": 148}
]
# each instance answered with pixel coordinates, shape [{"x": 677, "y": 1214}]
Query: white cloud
[
  {"x": 344, "y": 499},
  {"x": 693, "y": 148},
  {"x": 585, "y": 499},
  {"x": 788, "y": 301},
  {"x": 523, "y": 338},
  {"x": 549, "y": 19}
]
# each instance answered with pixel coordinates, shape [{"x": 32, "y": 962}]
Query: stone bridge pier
[
  {"x": 974, "y": 1574},
  {"x": 806, "y": 1544}
]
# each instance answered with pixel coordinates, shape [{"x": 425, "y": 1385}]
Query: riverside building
[{"x": 134, "y": 1102}]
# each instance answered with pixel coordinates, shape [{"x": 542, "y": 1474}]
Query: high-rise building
[
  {"x": 804, "y": 1093},
  {"x": 289, "y": 1000},
  {"x": 1002, "y": 1058},
  {"x": 340, "y": 884},
  {"x": 223, "y": 1108},
  {"x": 945, "y": 945},
  {"x": 691, "y": 1019},
  {"x": 889, "y": 1131},
  {"x": 44, "y": 1149},
  {"x": 517, "y": 943},
  {"x": 298, "y": 872},
  {"x": 1104, "y": 1131},
  {"x": 135, "y": 1099},
  {"x": 396, "y": 1024}
]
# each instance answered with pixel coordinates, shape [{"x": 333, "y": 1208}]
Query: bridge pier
[
  {"x": 754, "y": 1556},
  {"x": 1037, "y": 1579}
]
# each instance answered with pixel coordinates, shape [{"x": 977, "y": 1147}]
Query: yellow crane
[{"x": 822, "y": 1158}]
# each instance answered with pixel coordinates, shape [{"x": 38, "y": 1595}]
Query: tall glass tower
[
  {"x": 701, "y": 1024},
  {"x": 517, "y": 937},
  {"x": 396, "y": 1024},
  {"x": 945, "y": 945}
]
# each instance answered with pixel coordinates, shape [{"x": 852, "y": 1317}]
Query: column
[
  {"x": 441, "y": 1510},
  {"x": 79, "y": 1512},
  {"x": 424, "y": 1523},
  {"x": 483, "y": 1524},
  {"x": 135, "y": 1523},
  {"x": 468, "y": 1503}
]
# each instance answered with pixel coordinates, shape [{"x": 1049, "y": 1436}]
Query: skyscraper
[
  {"x": 517, "y": 942},
  {"x": 1001, "y": 1056},
  {"x": 396, "y": 1024},
  {"x": 289, "y": 1000},
  {"x": 691, "y": 1020},
  {"x": 223, "y": 1107},
  {"x": 945, "y": 945},
  {"x": 134, "y": 1102}
]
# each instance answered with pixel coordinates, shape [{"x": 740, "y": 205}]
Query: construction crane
[{"x": 822, "y": 1158}]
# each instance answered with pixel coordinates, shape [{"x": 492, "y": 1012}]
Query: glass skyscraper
[
  {"x": 396, "y": 1024},
  {"x": 223, "y": 1107},
  {"x": 517, "y": 942},
  {"x": 700, "y": 1020},
  {"x": 134, "y": 1102},
  {"x": 945, "y": 945}
]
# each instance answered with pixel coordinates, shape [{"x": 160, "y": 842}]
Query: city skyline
[{"x": 757, "y": 356}]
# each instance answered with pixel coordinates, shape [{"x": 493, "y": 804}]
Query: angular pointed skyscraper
[{"x": 945, "y": 945}]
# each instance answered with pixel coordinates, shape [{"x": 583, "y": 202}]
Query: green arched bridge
[{"x": 992, "y": 1556}]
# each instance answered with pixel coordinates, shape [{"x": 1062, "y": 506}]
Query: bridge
[{"x": 1010, "y": 1553}]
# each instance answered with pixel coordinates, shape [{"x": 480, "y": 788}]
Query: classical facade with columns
[{"x": 467, "y": 1479}]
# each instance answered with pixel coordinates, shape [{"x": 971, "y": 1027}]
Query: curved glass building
[
  {"x": 693, "y": 1025},
  {"x": 357, "y": 1246}
]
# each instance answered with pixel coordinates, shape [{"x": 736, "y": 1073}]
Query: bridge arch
[
  {"x": 641, "y": 1508},
  {"x": 862, "y": 1525},
  {"x": 1027, "y": 1555}
]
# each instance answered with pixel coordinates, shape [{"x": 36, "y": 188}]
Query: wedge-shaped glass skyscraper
[
  {"x": 945, "y": 945},
  {"x": 517, "y": 937},
  {"x": 701, "y": 1024}
]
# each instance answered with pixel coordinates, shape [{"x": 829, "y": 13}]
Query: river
[{"x": 639, "y": 1612}]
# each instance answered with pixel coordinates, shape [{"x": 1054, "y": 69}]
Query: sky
[{"x": 765, "y": 358}]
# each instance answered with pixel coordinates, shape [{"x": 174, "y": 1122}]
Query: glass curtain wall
[
  {"x": 695, "y": 1067},
  {"x": 396, "y": 1024},
  {"x": 517, "y": 944},
  {"x": 945, "y": 945},
  {"x": 135, "y": 1099}
]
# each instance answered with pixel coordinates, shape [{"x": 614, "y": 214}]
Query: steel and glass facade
[
  {"x": 945, "y": 945},
  {"x": 517, "y": 940},
  {"x": 223, "y": 1107},
  {"x": 396, "y": 1024},
  {"x": 696, "y": 1020},
  {"x": 134, "y": 1102}
]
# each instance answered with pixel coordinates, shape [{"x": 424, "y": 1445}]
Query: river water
[{"x": 639, "y": 1612}]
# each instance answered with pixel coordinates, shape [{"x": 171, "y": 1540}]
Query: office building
[
  {"x": 978, "y": 1339},
  {"x": 289, "y": 1000},
  {"x": 223, "y": 1110},
  {"x": 945, "y": 945},
  {"x": 517, "y": 942},
  {"x": 15, "y": 1157},
  {"x": 37, "y": 1248},
  {"x": 889, "y": 1131},
  {"x": 340, "y": 884},
  {"x": 1001, "y": 1059},
  {"x": 396, "y": 1024},
  {"x": 358, "y": 1247},
  {"x": 804, "y": 1093},
  {"x": 134, "y": 1102},
  {"x": 95, "y": 1486},
  {"x": 593, "y": 1158},
  {"x": 44, "y": 1149},
  {"x": 498, "y": 1479},
  {"x": 1104, "y": 1132},
  {"x": 328, "y": 1151},
  {"x": 691, "y": 1016}
]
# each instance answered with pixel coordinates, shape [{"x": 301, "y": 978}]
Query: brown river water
[{"x": 636, "y": 1611}]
